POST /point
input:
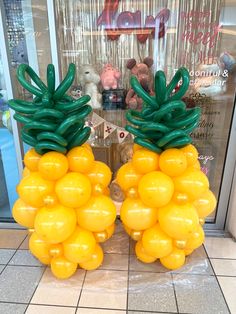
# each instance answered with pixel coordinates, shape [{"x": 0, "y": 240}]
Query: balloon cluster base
[
  {"x": 64, "y": 202},
  {"x": 167, "y": 201}
]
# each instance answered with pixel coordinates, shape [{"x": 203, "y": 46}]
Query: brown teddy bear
[
  {"x": 125, "y": 152},
  {"x": 144, "y": 75}
]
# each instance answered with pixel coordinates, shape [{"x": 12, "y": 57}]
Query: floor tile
[
  {"x": 17, "y": 283},
  {"x": 24, "y": 257},
  {"x": 220, "y": 247},
  {"x": 224, "y": 267},
  {"x": 98, "y": 311},
  {"x": 54, "y": 291},
  {"x": 199, "y": 294},
  {"x": 1, "y": 268},
  {"x": 42, "y": 309},
  {"x": 228, "y": 286},
  {"x": 151, "y": 292},
  {"x": 136, "y": 265},
  {"x": 115, "y": 262},
  {"x": 132, "y": 247},
  {"x": 105, "y": 289},
  {"x": 6, "y": 255},
  {"x": 25, "y": 244},
  {"x": 135, "y": 312},
  {"x": 11, "y": 238},
  {"x": 10, "y": 308},
  {"x": 196, "y": 263},
  {"x": 118, "y": 243}
]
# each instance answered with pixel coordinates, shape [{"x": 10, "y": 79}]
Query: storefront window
[{"x": 199, "y": 35}]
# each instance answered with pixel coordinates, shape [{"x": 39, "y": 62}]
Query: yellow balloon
[
  {"x": 196, "y": 239},
  {"x": 62, "y": 268},
  {"x": 99, "y": 189},
  {"x": 53, "y": 165},
  {"x": 174, "y": 260},
  {"x": 26, "y": 172},
  {"x": 190, "y": 153},
  {"x": 196, "y": 165},
  {"x": 97, "y": 214},
  {"x": 193, "y": 182},
  {"x": 95, "y": 260},
  {"x": 80, "y": 159},
  {"x": 73, "y": 190},
  {"x": 205, "y": 204},
  {"x": 33, "y": 189},
  {"x": 188, "y": 252},
  {"x": 104, "y": 235},
  {"x": 136, "y": 215},
  {"x": 180, "y": 244},
  {"x": 137, "y": 147},
  {"x": 79, "y": 246},
  {"x": 39, "y": 248},
  {"x": 24, "y": 214},
  {"x": 156, "y": 242},
  {"x": 132, "y": 193},
  {"x": 180, "y": 198},
  {"x": 87, "y": 146},
  {"x": 178, "y": 221},
  {"x": 156, "y": 189},
  {"x": 31, "y": 160},
  {"x": 127, "y": 176},
  {"x": 173, "y": 162},
  {"x": 136, "y": 235},
  {"x": 100, "y": 173},
  {"x": 55, "y": 224},
  {"x": 145, "y": 161},
  {"x": 142, "y": 255},
  {"x": 56, "y": 250},
  {"x": 50, "y": 200}
]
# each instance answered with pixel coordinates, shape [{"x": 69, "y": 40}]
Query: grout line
[
  {"x": 52, "y": 305},
  {"x": 25, "y": 265},
  {"x": 223, "y": 258},
  {"x": 35, "y": 288},
  {"x": 82, "y": 286},
  {"x": 127, "y": 297},
  {"x": 217, "y": 279},
  {"x": 227, "y": 276},
  {"x": 176, "y": 300}
]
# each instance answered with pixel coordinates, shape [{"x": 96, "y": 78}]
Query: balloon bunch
[
  {"x": 167, "y": 194},
  {"x": 63, "y": 199},
  {"x": 53, "y": 120},
  {"x": 164, "y": 121}
]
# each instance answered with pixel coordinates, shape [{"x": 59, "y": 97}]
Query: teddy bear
[
  {"x": 76, "y": 91},
  {"x": 143, "y": 73},
  {"x": 125, "y": 152},
  {"x": 109, "y": 77},
  {"x": 89, "y": 80}
]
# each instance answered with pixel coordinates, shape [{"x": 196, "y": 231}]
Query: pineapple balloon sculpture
[
  {"x": 167, "y": 195},
  {"x": 63, "y": 196}
]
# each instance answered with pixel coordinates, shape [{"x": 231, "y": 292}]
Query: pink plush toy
[
  {"x": 143, "y": 73},
  {"x": 109, "y": 77}
]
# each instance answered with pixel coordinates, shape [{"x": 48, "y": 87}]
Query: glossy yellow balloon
[
  {"x": 56, "y": 250},
  {"x": 99, "y": 189},
  {"x": 136, "y": 235},
  {"x": 188, "y": 252},
  {"x": 73, "y": 190},
  {"x": 156, "y": 242},
  {"x": 104, "y": 235},
  {"x": 196, "y": 239},
  {"x": 62, "y": 268},
  {"x": 33, "y": 189},
  {"x": 192, "y": 182},
  {"x": 180, "y": 244},
  {"x": 31, "y": 160},
  {"x": 39, "y": 248},
  {"x": 180, "y": 198},
  {"x": 174, "y": 260},
  {"x": 24, "y": 214},
  {"x": 173, "y": 162},
  {"x": 87, "y": 146},
  {"x": 136, "y": 215},
  {"x": 79, "y": 246},
  {"x": 80, "y": 159},
  {"x": 205, "y": 204},
  {"x": 127, "y": 176},
  {"x": 142, "y": 255},
  {"x": 145, "y": 161},
  {"x": 55, "y": 224},
  {"x": 95, "y": 260},
  {"x": 97, "y": 214},
  {"x": 196, "y": 165},
  {"x": 132, "y": 193},
  {"x": 51, "y": 200},
  {"x": 137, "y": 147},
  {"x": 26, "y": 172},
  {"x": 178, "y": 221},
  {"x": 53, "y": 165},
  {"x": 190, "y": 153},
  {"x": 100, "y": 173},
  {"x": 156, "y": 189}
]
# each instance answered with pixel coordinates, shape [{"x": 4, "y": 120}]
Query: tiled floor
[{"x": 122, "y": 284}]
